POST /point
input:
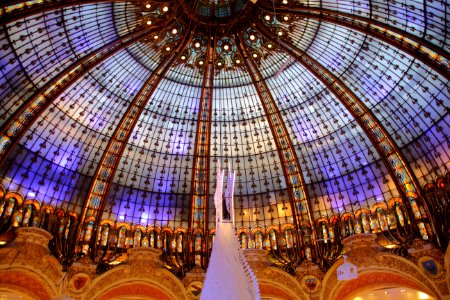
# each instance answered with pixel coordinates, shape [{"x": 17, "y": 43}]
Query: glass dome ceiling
[{"x": 121, "y": 110}]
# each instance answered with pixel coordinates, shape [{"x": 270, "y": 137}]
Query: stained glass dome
[{"x": 119, "y": 111}]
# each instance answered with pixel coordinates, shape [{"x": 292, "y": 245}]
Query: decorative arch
[
  {"x": 142, "y": 289},
  {"x": 108, "y": 222},
  {"x": 15, "y": 195},
  {"x": 320, "y": 220},
  {"x": 274, "y": 227},
  {"x": 242, "y": 230},
  {"x": 180, "y": 229},
  {"x": 361, "y": 211},
  {"x": 376, "y": 280},
  {"x": 379, "y": 271},
  {"x": 347, "y": 215},
  {"x": 334, "y": 219},
  {"x": 123, "y": 224},
  {"x": 274, "y": 282},
  {"x": 138, "y": 226},
  {"x": 382, "y": 205},
  {"x": 393, "y": 201},
  {"x": 154, "y": 228},
  {"x": 257, "y": 228},
  {"x": 286, "y": 226},
  {"x": 167, "y": 229},
  {"x": 127, "y": 281},
  {"x": 89, "y": 219},
  {"x": 28, "y": 282},
  {"x": 34, "y": 202},
  {"x": 268, "y": 290},
  {"x": 12, "y": 292}
]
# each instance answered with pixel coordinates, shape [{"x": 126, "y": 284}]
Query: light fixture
[
  {"x": 200, "y": 62},
  {"x": 423, "y": 296},
  {"x": 285, "y": 2},
  {"x": 149, "y": 22},
  {"x": 219, "y": 64},
  {"x": 347, "y": 271},
  {"x": 267, "y": 17},
  {"x": 156, "y": 37},
  {"x": 285, "y": 18},
  {"x": 255, "y": 55},
  {"x": 238, "y": 61},
  {"x": 226, "y": 47},
  {"x": 183, "y": 57},
  {"x": 252, "y": 37},
  {"x": 174, "y": 31},
  {"x": 167, "y": 48},
  {"x": 197, "y": 45},
  {"x": 148, "y": 5},
  {"x": 269, "y": 46},
  {"x": 280, "y": 33},
  {"x": 165, "y": 8}
]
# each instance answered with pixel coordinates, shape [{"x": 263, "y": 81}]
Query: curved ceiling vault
[{"x": 121, "y": 110}]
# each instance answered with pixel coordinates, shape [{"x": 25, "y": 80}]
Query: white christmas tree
[{"x": 229, "y": 277}]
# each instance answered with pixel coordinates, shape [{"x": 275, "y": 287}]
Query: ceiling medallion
[{"x": 217, "y": 29}]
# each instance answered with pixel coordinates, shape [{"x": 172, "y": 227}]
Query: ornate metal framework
[
  {"x": 19, "y": 123},
  {"x": 225, "y": 58},
  {"x": 98, "y": 191},
  {"x": 198, "y": 219},
  {"x": 431, "y": 55},
  {"x": 297, "y": 188},
  {"x": 403, "y": 176}
]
